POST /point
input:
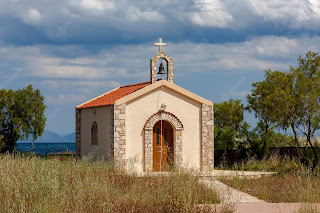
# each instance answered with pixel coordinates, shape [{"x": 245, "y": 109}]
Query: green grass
[
  {"x": 271, "y": 164},
  {"x": 31, "y": 184}
]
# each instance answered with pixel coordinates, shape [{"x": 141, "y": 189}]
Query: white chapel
[{"x": 150, "y": 126}]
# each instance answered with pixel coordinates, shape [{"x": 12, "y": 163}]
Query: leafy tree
[
  {"x": 284, "y": 99},
  {"x": 290, "y": 99},
  {"x": 21, "y": 115},
  {"x": 228, "y": 119},
  {"x": 307, "y": 96},
  {"x": 273, "y": 101},
  {"x": 259, "y": 101}
]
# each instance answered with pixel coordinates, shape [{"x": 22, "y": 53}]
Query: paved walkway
[{"x": 275, "y": 207}]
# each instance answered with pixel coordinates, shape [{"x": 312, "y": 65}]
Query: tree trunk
[
  {"x": 248, "y": 139},
  {"x": 316, "y": 159},
  {"x": 302, "y": 160},
  {"x": 263, "y": 150}
]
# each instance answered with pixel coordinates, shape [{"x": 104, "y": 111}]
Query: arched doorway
[
  {"x": 149, "y": 130},
  {"x": 163, "y": 153}
]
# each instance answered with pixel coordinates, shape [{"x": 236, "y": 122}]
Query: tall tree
[
  {"x": 291, "y": 100},
  {"x": 259, "y": 101},
  {"x": 307, "y": 91},
  {"x": 21, "y": 115},
  {"x": 228, "y": 118}
]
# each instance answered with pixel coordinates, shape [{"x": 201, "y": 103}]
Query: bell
[{"x": 161, "y": 69}]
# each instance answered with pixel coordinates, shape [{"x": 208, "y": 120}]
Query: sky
[{"x": 75, "y": 50}]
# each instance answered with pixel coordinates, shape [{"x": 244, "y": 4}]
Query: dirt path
[
  {"x": 228, "y": 194},
  {"x": 242, "y": 202}
]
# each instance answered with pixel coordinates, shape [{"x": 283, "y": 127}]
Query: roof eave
[{"x": 79, "y": 106}]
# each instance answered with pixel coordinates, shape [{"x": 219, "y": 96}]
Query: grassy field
[
  {"x": 293, "y": 182},
  {"x": 281, "y": 188},
  {"x": 274, "y": 163},
  {"x": 31, "y": 184}
]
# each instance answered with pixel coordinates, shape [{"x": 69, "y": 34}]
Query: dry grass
[
  {"x": 308, "y": 208},
  {"x": 30, "y": 184},
  {"x": 293, "y": 182},
  {"x": 303, "y": 187}
]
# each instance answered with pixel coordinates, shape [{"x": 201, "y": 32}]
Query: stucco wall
[
  {"x": 101, "y": 115},
  {"x": 186, "y": 109}
]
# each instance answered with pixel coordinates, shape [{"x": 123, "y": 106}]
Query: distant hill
[{"x": 52, "y": 137}]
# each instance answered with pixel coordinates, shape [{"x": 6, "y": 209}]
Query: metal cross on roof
[{"x": 160, "y": 44}]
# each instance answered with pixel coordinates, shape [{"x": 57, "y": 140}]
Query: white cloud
[
  {"x": 97, "y": 4},
  {"x": 296, "y": 13},
  {"x": 212, "y": 14},
  {"x": 32, "y": 16},
  {"x": 132, "y": 61},
  {"x": 272, "y": 45},
  {"x": 50, "y": 83},
  {"x": 65, "y": 99},
  {"x": 239, "y": 94},
  {"x": 315, "y": 6},
  {"x": 82, "y": 83},
  {"x": 135, "y": 14},
  {"x": 108, "y": 84}
]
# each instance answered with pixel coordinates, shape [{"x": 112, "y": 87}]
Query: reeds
[{"x": 31, "y": 184}]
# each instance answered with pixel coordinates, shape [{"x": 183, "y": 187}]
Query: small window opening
[{"x": 94, "y": 134}]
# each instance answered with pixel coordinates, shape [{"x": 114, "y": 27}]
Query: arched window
[{"x": 94, "y": 134}]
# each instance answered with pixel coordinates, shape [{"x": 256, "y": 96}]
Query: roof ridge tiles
[{"x": 130, "y": 85}]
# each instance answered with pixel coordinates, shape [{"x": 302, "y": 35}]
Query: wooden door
[{"x": 162, "y": 146}]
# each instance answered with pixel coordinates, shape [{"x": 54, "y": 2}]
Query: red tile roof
[{"x": 110, "y": 97}]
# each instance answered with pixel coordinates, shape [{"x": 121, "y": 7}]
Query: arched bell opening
[
  {"x": 162, "y": 68},
  {"x": 154, "y": 67}
]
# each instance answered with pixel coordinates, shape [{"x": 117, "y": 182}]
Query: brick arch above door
[
  {"x": 148, "y": 131},
  {"x": 163, "y": 115}
]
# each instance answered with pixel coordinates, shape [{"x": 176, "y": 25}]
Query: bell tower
[{"x": 153, "y": 63}]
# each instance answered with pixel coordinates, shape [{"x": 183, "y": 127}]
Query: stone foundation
[{"x": 207, "y": 151}]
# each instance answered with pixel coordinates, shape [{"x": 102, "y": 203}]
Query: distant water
[{"x": 46, "y": 148}]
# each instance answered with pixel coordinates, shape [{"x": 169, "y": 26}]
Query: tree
[
  {"x": 21, "y": 115},
  {"x": 228, "y": 119},
  {"x": 259, "y": 101},
  {"x": 307, "y": 96},
  {"x": 1, "y": 142},
  {"x": 290, "y": 99},
  {"x": 283, "y": 97}
]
